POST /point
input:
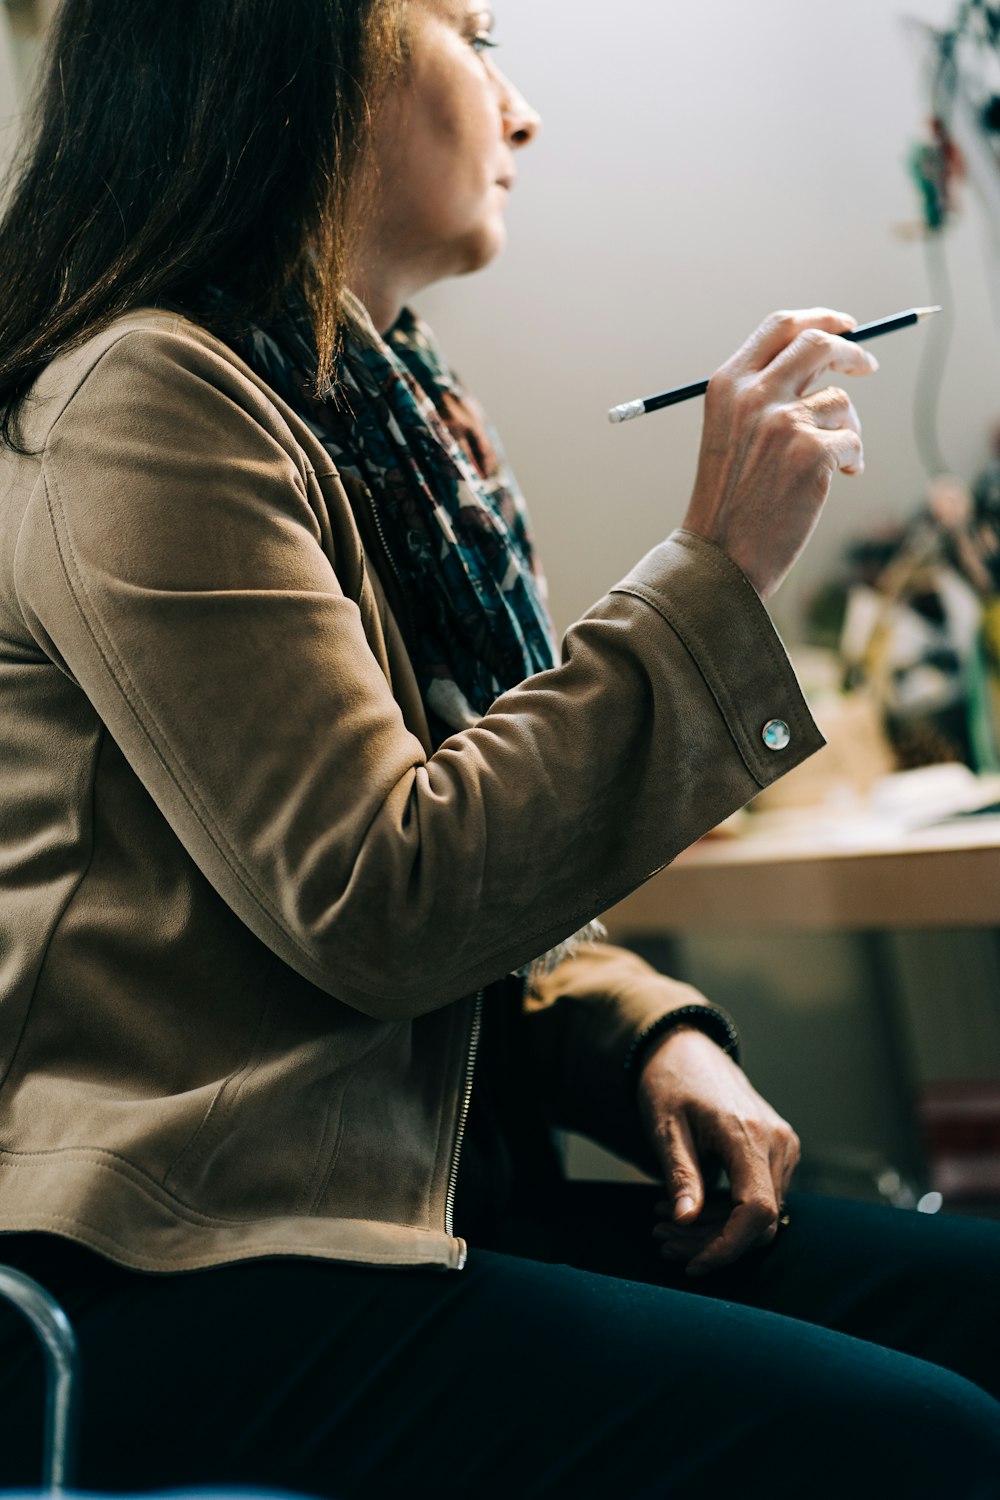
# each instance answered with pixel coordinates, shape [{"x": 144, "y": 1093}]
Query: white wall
[{"x": 701, "y": 164}]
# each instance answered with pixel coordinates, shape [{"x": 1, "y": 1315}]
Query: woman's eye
[{"x": 482, "y": 42}]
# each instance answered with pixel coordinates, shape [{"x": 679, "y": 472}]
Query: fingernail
[
  {"x": 684, "y": 1206},
  {"x": 872, "y": 361}
]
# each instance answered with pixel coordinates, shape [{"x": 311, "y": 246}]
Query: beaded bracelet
[{"x": 713, "y": 1022}]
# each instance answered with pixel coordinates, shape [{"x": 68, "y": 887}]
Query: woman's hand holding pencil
[
  {"x": 769, "y": 451},
  {"x": 859, "y": 334}
]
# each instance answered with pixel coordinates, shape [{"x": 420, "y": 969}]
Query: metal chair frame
[{"x": 62, "y": 1371}]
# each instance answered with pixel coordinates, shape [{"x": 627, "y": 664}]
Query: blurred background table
[
  {"x": 819, "y": 875},
  {"x": 862, "y": 960}
]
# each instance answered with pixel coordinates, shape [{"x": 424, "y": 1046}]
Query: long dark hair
[{"x": 177, "y": 143}]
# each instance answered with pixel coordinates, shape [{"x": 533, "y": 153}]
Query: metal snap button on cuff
[{"x": 776, "y": 734}]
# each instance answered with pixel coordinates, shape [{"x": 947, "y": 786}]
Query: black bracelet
[{"x": 714, "y": 1023}]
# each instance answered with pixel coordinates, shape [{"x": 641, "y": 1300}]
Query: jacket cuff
[{"x": 718, "y": 614}]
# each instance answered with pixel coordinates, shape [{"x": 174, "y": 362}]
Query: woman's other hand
[
  {"x": 769, "y": 451},
  {"x": 701, "y": 1113}
]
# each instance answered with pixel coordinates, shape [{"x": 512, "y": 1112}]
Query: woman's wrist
[{"x": 711, "y": 1020}]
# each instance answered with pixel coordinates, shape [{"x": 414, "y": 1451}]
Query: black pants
[{"x": 858, "y": 1357}]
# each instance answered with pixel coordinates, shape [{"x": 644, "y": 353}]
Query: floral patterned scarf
[{"x": 448, "y": 507}]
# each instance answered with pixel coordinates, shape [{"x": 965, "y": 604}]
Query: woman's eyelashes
[{"x": 482, "y": 41}]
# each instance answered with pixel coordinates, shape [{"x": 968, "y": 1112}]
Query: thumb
[{"x": 681, "y": 1172}]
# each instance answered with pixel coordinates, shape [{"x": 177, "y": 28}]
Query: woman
[{"x": 295, "y": 795}]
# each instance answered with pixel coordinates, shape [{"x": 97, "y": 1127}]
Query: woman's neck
[{"x": 384, "y": 290}]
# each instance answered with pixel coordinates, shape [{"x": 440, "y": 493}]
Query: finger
[
  {"x": 779, "y": 330},
  {"x": 747, "y": 1229},
  {"x": 780, "y": 1173},
  {"x": 845, "y": 451},
  {"x": 788, "y": 1172},
  {"x": 687, "y": 1234},
  {"x": 696, "y": 1234},
  {"x": 832, "y": 408},
  {"x": 676, "y": 1255},
  {"x": 681, "y": 1172},
  {"x": 713, "y": 1214},
  {"x": 680, "y": 1250},
  {"x": 754, "y": 1219},
  {"x": 689, "y": 1237},
  {"x": 684, "y": 1241},
  {"x": 810, "y": 355},
  {"x": 793, "y": 1152}
]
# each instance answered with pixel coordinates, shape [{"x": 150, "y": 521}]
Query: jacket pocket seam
[
  {"x": 324, "y": 1168},
  {"x": 214, "y": 1120}
]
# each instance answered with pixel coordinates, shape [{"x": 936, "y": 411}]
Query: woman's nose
[{"x": 520, "y": 122}]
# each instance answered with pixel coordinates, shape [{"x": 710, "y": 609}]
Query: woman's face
[{"x": 444, "y": 146}]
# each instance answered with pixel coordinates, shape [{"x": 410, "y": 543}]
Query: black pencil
[{"x": 858, "y": 335}]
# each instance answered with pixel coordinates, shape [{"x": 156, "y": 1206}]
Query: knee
[{"x": 906, "y": 1427}]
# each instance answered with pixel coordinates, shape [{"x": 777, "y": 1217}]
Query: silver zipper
[
  {"x": 377, "y": 523},
  {"x": 403, "y": 616},
  {"x": 463, "y": 1114}
]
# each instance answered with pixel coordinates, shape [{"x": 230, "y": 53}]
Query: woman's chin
[{"x": 483, "y": 246}]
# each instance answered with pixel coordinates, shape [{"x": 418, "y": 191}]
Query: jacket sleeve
[
  {"x": 581, "y": 1019},
  {"x": 172, "y": 561}
]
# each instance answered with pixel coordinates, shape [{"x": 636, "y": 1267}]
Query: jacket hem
[{"x": 127, "y": 1225}]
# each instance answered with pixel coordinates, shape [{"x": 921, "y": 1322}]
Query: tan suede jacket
[{"x": 244, "y": 911}]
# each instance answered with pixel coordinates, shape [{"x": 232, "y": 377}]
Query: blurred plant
[
  {"x": 938, "y": 169},
  {"x": 910, "y": 607}
]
